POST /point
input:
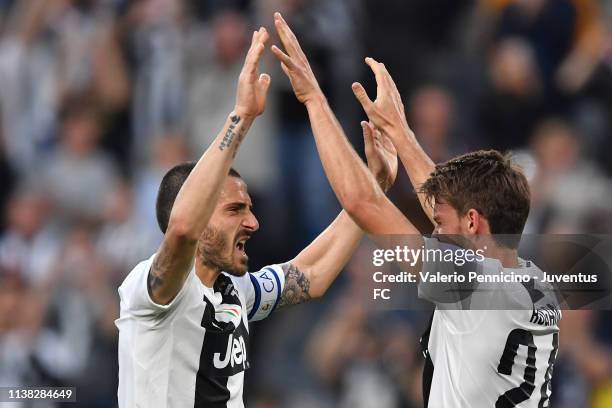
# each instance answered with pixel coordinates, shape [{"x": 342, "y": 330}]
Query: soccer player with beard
[
  {"x": 185, "y": 312},
  {"x": 488, "y": 345}
]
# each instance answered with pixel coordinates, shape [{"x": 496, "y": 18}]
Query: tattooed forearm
[
  {"x": 297, "y": 286},
  {"x": 230, "y": 134},
  {"x": 241, "y": 134}
]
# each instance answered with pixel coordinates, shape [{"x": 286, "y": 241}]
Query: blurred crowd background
[{"x": 98, "y": 98}]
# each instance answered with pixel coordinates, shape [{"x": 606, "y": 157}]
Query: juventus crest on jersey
[
  {"x": 192, "y": 352},
  {"x": 495, "y": 346}
]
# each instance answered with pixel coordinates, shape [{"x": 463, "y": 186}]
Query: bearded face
[
  {"x": 222, "y": 246},
  {"x": 219, "y": 250}
]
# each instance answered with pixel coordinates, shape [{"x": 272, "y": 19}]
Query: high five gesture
[{"x": 359, "y": 191}]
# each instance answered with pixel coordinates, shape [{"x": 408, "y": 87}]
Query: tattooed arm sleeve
[{"x": 297, "y": 286}]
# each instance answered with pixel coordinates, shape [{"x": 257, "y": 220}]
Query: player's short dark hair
[
  {"x": 487, "y": 181},
  {"x": 169, "y": 188}
]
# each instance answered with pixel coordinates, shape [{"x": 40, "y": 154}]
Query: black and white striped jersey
[
  {"x": 192, "y": 352},
  {"x": 496, "y": 345}
]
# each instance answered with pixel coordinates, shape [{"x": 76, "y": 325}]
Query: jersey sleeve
[
  {"x": 262, "y": 291},
  {"x": 441, "y": 259},
  {"x": 135, "y": 298}
]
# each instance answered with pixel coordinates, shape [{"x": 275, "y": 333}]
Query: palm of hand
[{"x": 250, "y": 97}]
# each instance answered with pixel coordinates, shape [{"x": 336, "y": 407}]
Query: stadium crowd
[{"x": 98, "y": 98}]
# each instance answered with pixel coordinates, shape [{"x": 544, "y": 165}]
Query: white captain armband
[{"x": 267, "y": 286}]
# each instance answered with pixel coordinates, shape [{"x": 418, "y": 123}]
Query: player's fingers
[
  {"x": 386, "y": 74},
  {"x": 263, "y": 35},
  {"x": 368, "y": 139},
  {"x": 375, "y": 66},
  {"x": 362, "y": 97},
  {"x": 287, "y": 37},
  {"x": 282, "y": 57},
  {"x": 294, "y": 42},
  {"x": 254, "y": 54},
  {"x": 281, "y": 28},
  {"x": 256, "y": 39},
  {"x": 376, "y": 135},
  {"x": 375, "y": 132},
  {"x": 255, "y": 57},
  {"x": 385, "y": 77},
  {"x": 394, "y": 91},
  {"x": 260, "y": 35},
  {"x": 368, "y": 136},
  {"x": 264, "y": 82},
  {"x": 284, "y": 68},
  {"x": 256, "y": 34}
]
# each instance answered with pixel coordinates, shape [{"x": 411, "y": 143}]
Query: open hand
[
  {"x": 387, "y": 111},
  {"x": 252, "y": 89},
  {"x": 295, "y": 64},
  {"x": 381, "y": 155}
]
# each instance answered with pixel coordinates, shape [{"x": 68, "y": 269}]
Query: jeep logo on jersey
[
  {"x": 234, "y": 355},
  {"x": 225, "y": 353}
]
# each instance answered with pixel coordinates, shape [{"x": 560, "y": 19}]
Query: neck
[
  {"x": 508, "y": 257},
  {"x": 207, "y": 274}
]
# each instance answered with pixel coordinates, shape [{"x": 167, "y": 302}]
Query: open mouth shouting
[{"x": 240, "y": 246}]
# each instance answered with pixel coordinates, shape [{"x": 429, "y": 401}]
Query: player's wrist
[
  {"x": 315, "y": 99},
  {"x": 242, "y": 114},
  {"x": 401, "y": 135}
]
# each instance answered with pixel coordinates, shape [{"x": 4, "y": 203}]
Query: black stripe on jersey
[
  {"x": 428, "y": 370},
  {"x": 211, "y": 392},
  {"x": 225, "y": 351}
]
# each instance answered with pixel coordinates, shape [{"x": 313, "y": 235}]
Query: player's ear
[{"x": 473, "y": 220}]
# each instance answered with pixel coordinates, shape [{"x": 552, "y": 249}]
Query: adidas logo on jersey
[{"x": 235, "y": 354}]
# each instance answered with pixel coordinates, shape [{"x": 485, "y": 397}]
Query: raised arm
[
  {"x": 353, "y": 184},
  {"x": 387, "y": 113},
  {"x": 311, "y": 273},
  {"x": 199, "y": 194}
]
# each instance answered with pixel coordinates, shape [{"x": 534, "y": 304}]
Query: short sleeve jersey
[
  {"x": 492, "y": 345},
  {"x": 192, "y": 352}
]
